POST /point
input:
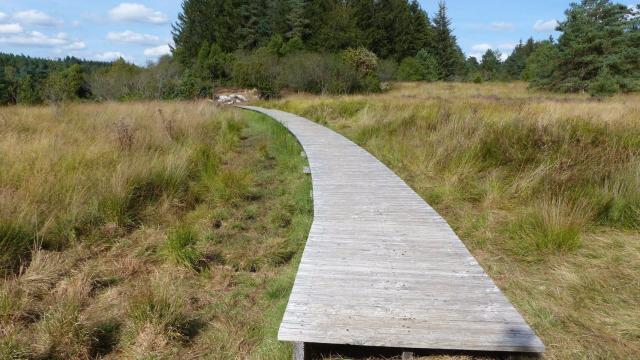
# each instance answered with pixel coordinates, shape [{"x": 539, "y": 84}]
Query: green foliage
[
  {"x": 516, "y": 63},
  {"x": 423, "y": 67},
  {"x": 28, "y": 92},
  {"x": 445, "y": 47},
  {"x": 65, "y": 85},
  {"x": 541, "y": 65},
  {"x": 491, "y": 66},
  {"x": 604, "y": 84},
  {"x": 22, "y": 78},
  {"x": 180, "y": 249},
  {"x": 363, "y": 60},
  {"x": 193, "y": 86},
  {"x": 391, "y": 29},
  {"x": 259, "y": 70},
  {"x": 429, "y": 67},
  {"x": 597, "y": 51},
  {"x": 409, "y": 70},
  {"x": 293, "y": 46}
]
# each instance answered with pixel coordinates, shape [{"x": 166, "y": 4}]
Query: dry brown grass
[
  {"x": 146, "y": 230},
  {"x": 544, "y": 189}
]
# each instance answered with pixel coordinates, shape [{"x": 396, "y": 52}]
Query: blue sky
[{"x": 140, "y": 30}]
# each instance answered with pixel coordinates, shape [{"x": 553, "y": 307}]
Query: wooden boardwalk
[{"x": 382, "y": 268}]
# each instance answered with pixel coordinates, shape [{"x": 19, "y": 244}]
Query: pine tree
[
  {"x": 318, "y": 13},
  {"x": 598, "y": 35},
  {"x": 215, "y": 21},
  {"x": 445, "y": 46},
  {"x": 491, "y": 64},
  {"x": 255, "y": 30},
  {"x": 298, "y": 23},
  {"x": 420, "y": 28},
  {"x": 541, "y": 65},
  {"x": 277, "y": 12}
]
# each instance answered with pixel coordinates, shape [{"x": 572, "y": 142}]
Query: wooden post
[
  {"x": 407, "y": 355},
  {"x": 302, "y": 351}
]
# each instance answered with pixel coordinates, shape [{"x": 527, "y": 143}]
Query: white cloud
[
  {"x": 501, "y": 26},
  {"x": 3, "y": 16},
  {"x": 111, "y": 56},
  {"x": 132, "y": 37},
  {"x": 11, "y": 29},
  {"x": 35, "y": 38},
  {"x": 481, "y": 47},
  {"x": 545, "y": 26},
  {"x": 76, "y": 45},
  {"x": 157, "y": 51},
  {"x": 36, "y": 17},
  {"x": 137, "y": 13}
]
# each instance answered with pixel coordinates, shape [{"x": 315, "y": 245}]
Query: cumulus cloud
[
  {"x": 132, "y": 37},
  {"x": 545, "y": 26},
  {"x": 111, "y": 56},
  {"x": 157, "y": 51},
  {"x": 35, "y": 38},
  {"x": 501, "y": 26},
  {"x": 3, "y": 16},
  {"x": 135, "y": 12},
  {"x": 36, "y": 17},
  {"x": 11, "y": 29}
]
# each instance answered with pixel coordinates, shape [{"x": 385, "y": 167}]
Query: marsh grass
[
  {"x": 145, "y": 230},
  {"x": 542, "y": 188}
]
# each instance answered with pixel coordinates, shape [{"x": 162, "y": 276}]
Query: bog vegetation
[
  {"x": 544, "y": 189},
  {"x": 157, "y": 230},
  {"x": 338, "y": 47}
]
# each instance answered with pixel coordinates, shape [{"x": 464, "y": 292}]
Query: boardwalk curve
[{"x": 382, "y": 268}]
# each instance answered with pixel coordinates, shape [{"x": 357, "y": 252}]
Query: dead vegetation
[
  {"x": 543, "y": 189},
  {"x": 170, "y": 232}
]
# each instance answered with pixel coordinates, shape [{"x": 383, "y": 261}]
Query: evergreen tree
[
  {"x": 445, "y": 46},
  {"x": 429, "y": 67},
  {"x": 318, "y": 13},
  {"x": 255, "y": 29},
  {"x": 420, "y": 28},
  {"x": 340, "y": 30},
  {"x": 516, "y": 62},
  {"x": 491, "y": 65},
  {"x": 298, "y": 23},
  {"x": 598, "y": 37},
  {"x": 215, "y": 21},
  {"x": 541, "y": 65},
  {"x": 278, "y": 14}
]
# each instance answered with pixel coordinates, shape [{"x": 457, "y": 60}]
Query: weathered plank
[{"x": 382, "y": 268}]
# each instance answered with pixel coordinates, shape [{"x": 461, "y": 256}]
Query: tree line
[
  {"x": 337, "y": 46},
  {"x": 598, "y": 52}
]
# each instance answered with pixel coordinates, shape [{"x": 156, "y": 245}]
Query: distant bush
[
  {"x": 409, "y": 70},
  {"x": 363, "y": 60},
  {"x": 350, "y": 72}
]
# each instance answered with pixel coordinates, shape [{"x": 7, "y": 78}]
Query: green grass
[
  {"x": 543, "y": 189},
  {"x": 180, "y": 249},
  {"x": 154, "y": 246}
]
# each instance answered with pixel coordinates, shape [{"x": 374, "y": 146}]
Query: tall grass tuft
[
  {"x": 550, "y": 226},
  {"x": 180, "y": 247}
]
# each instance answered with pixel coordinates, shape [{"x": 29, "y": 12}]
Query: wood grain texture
[{"x": 382, "y": 268}]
